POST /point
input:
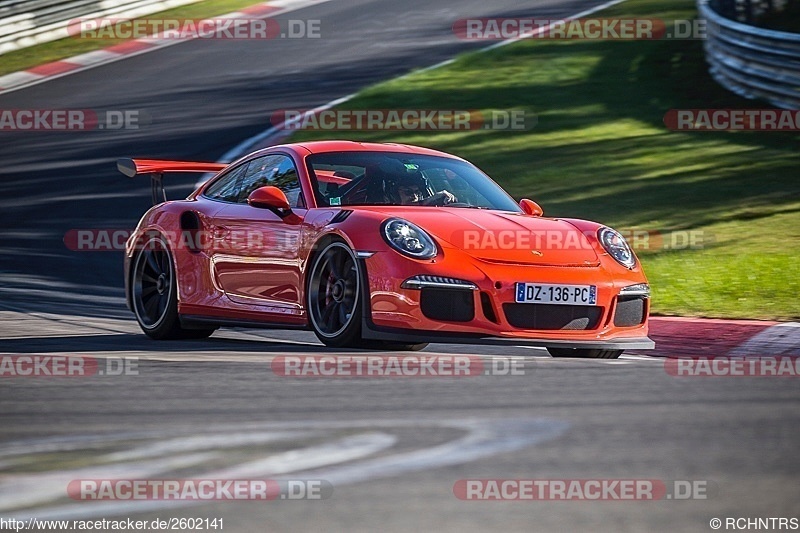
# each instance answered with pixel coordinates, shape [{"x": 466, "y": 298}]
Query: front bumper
[
  {"x": 372, "y": 332},
  {"x": 397, "y": 313}
]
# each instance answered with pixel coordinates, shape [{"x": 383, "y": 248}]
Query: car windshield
[{"x": 387, "y": 178}]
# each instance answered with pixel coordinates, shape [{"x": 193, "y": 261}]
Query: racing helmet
[{"x": 405, "y": 175}]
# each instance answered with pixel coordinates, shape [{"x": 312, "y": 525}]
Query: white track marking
[
  {"x": 243, "y": 148},
  {"x": 338, "y": 451},
  {"x": 203, "y": 442},
  {"x": 26, "y": 490},
  {"x": 637, "y": 357},
  {"x": 780, "y": 339},
  {"x": 537, "y": 31},
  {"x": 483, "y": 438}
]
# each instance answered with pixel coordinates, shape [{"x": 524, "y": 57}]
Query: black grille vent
[
  {"x": 452, "y": 305},
  {"x": 341, "y": 216},
  {"x": 549, "y": 316},
  {"x": 486, "y": 307},
  {"x": 630, "y": 312},
  {"x": 190, "y": 225}
]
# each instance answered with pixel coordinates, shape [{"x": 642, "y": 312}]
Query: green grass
[
  {"x": 63, "y": 48},
  {"x": 600, "y": 151}
]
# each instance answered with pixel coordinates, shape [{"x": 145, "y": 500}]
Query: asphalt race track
[{"x": 391, "y": 449}]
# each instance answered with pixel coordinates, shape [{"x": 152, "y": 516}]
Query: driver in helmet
[{"x": 411, "y": 188}]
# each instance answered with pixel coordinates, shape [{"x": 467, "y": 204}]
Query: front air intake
[
  {"x": 629, "y": 312},
  {"x": 450, "y": 305},
  {"x": 551, "y": 316}
]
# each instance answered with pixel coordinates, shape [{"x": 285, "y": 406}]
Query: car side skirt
[{"x": 203, "y": 322}]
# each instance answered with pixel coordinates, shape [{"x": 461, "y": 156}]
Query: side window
[
  {"x": 275, "y": 170},
  {"x": 226, "y": 188}
]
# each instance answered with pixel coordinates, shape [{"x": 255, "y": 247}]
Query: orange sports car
[{"x": 386, "y": 246}]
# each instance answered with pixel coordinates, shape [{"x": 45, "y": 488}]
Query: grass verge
[
  {"x": 63, "y": 48},
  {"x": 600, "y": 151}
]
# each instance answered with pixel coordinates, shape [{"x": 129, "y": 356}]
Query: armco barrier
[
  {"x": 753, "y": 62},
  {"x": 25, "y": 23}
]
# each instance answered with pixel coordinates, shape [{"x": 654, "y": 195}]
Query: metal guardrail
[
  {"x": 28, "y": 22},
  {"x": 748, "y": 11},
  {"x": 753, "y": 62}
]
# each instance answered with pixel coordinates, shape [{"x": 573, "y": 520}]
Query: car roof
[{"x": 321, "y": 147}]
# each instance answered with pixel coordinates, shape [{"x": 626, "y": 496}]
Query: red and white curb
[
  {"x": 686, "y": 336},
  {"x": 57, "y": 69}
]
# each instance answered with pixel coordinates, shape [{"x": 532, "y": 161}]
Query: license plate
[{"x": 545, "y": 293}]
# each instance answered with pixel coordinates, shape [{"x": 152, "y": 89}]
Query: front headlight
[
  {"x": 408, "y": 239},
  {"x": 616, "y": 246}
]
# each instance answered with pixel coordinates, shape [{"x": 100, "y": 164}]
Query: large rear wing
[{"x": 156, "y": 168}]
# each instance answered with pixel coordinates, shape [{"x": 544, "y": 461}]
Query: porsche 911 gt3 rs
[{"x": 385, "y": 246}]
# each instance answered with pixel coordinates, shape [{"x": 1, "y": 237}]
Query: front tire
[
  {"x": 154, "y": 293},
  {"x": 333, "y": 296},
  {"x": 584, "y": 353}
]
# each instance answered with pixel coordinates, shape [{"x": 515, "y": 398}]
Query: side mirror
[
  {"x": 530, "y": 207},
  {"x": 268, "y": 197}
]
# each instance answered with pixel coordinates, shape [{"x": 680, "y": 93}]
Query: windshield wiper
[{"x": 467, "y": 206}]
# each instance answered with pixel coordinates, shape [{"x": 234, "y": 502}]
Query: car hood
[{"x": 501, "y": 237}]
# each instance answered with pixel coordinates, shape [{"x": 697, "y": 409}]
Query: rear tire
[
  {"x": 585, "y": 353},
  {"x": 154, "y": 294}
]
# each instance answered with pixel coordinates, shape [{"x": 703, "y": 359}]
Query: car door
[{"x": 256, "y": 259}]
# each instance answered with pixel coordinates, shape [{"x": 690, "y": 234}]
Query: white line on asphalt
[
  {"x": 194, "y": 443},
  {"x": 25, "y": 490},
  {"x": 483, "y": 438},
  {"x": 637, "y": 357}
]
